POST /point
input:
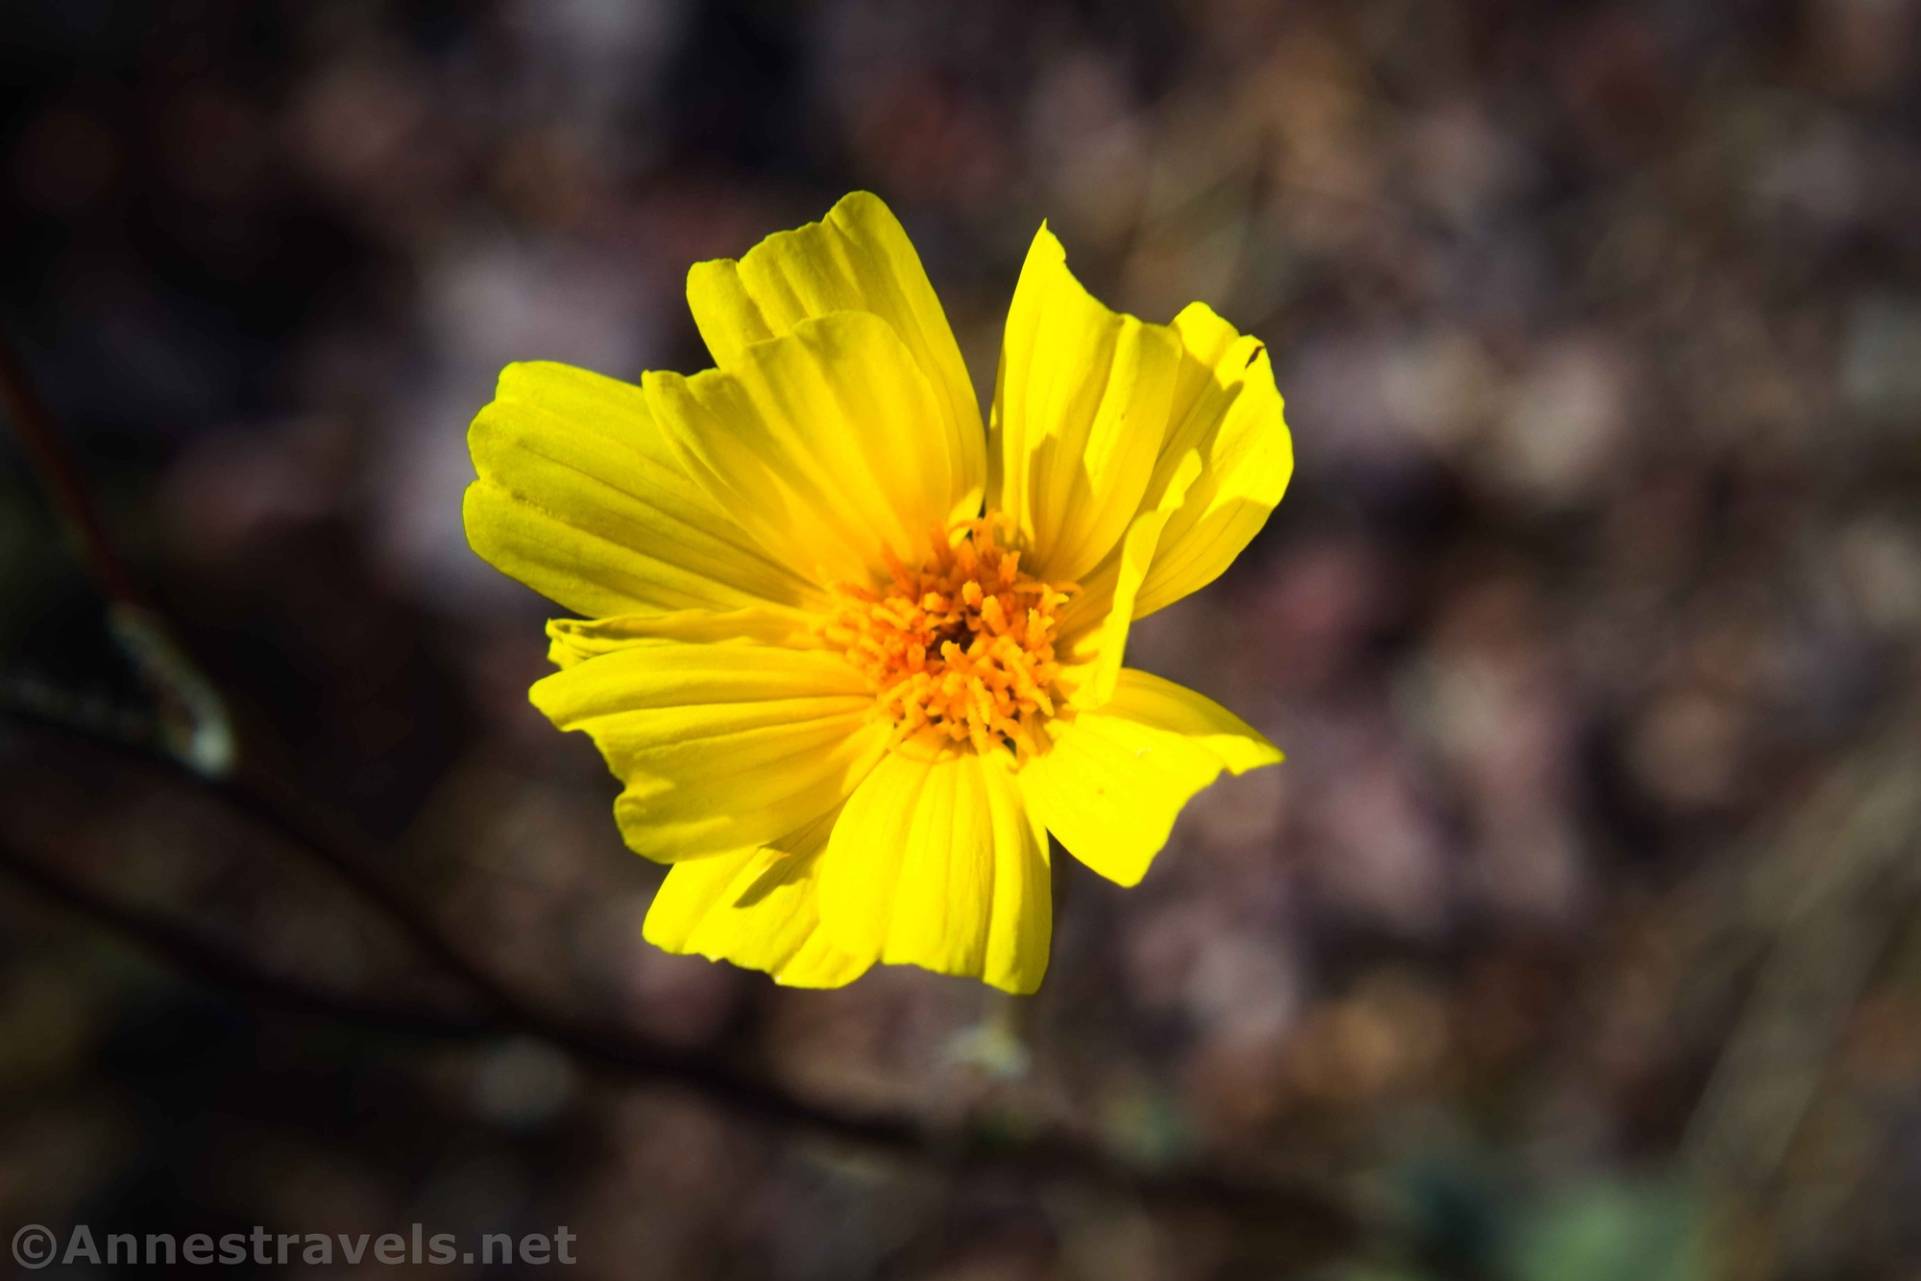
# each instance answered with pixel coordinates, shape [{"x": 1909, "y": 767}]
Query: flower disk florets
[{"x": 961, "y": 646}]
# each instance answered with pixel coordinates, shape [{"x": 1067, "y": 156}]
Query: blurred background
[{"x": 1584, "y": 920}]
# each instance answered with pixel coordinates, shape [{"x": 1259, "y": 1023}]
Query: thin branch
[
  {"x": 193, "y": 722},
  {"x": 34, "y": 426},
  {"x": 1823, "y": 901},
  {"x": 187, "y": 951}
]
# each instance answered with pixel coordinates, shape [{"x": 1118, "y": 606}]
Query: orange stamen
[{"x": 963, "y": 644}]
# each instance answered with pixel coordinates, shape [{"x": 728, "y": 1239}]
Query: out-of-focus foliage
[
  {"x": 1605, "y": 1231},
  {"x": 1589, "y": 625}
]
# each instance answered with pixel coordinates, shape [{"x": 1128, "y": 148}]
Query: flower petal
[
  {"x": 580, "y": 498},
  {"x": 574, "y": 640},
  {"x": 1112, "y": 782},
  {"x": 1227, "y": 409},
  {"x": 811, "y": 441},
  {"x": 936, "y": 863},
  {"x": 1095, "y": 624},
  {"x": 1081, "y": 405},
  {"x": 857, "y": 258},
  {"x": 758, "y": 908},
  {"x": 721, "y": 746}
]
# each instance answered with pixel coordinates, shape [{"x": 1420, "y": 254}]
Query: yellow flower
[{"x": 853, "y": 657}]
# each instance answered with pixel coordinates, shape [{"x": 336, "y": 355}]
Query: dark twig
[
  {"x": 34, "y": 427},
  {"x": 193, "y": 723},
  {"x": 189, "y": 952}
]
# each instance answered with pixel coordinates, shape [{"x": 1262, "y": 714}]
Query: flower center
[{"x": 962, "y": 645}]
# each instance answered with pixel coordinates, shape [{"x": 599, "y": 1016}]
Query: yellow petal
[
  {"x": 574, "y": 640},
  {"x": 758, "y": 908},
  {"x": 1227, "y": 409},
  {"x": 580, "y": 498},
  {"x": 1081, "y": 406},
  {"x": 721, "y": 746},
  {"x": 812, "y": 441},
  {"x": 936, "y": 863},
  {"x": 857, "y": 258},
  {"x": 1096, "y": 622},
  {"x": 1112, "y": 782}
]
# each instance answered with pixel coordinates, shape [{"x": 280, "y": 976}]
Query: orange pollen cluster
[{"x": 962, "y": 645}]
